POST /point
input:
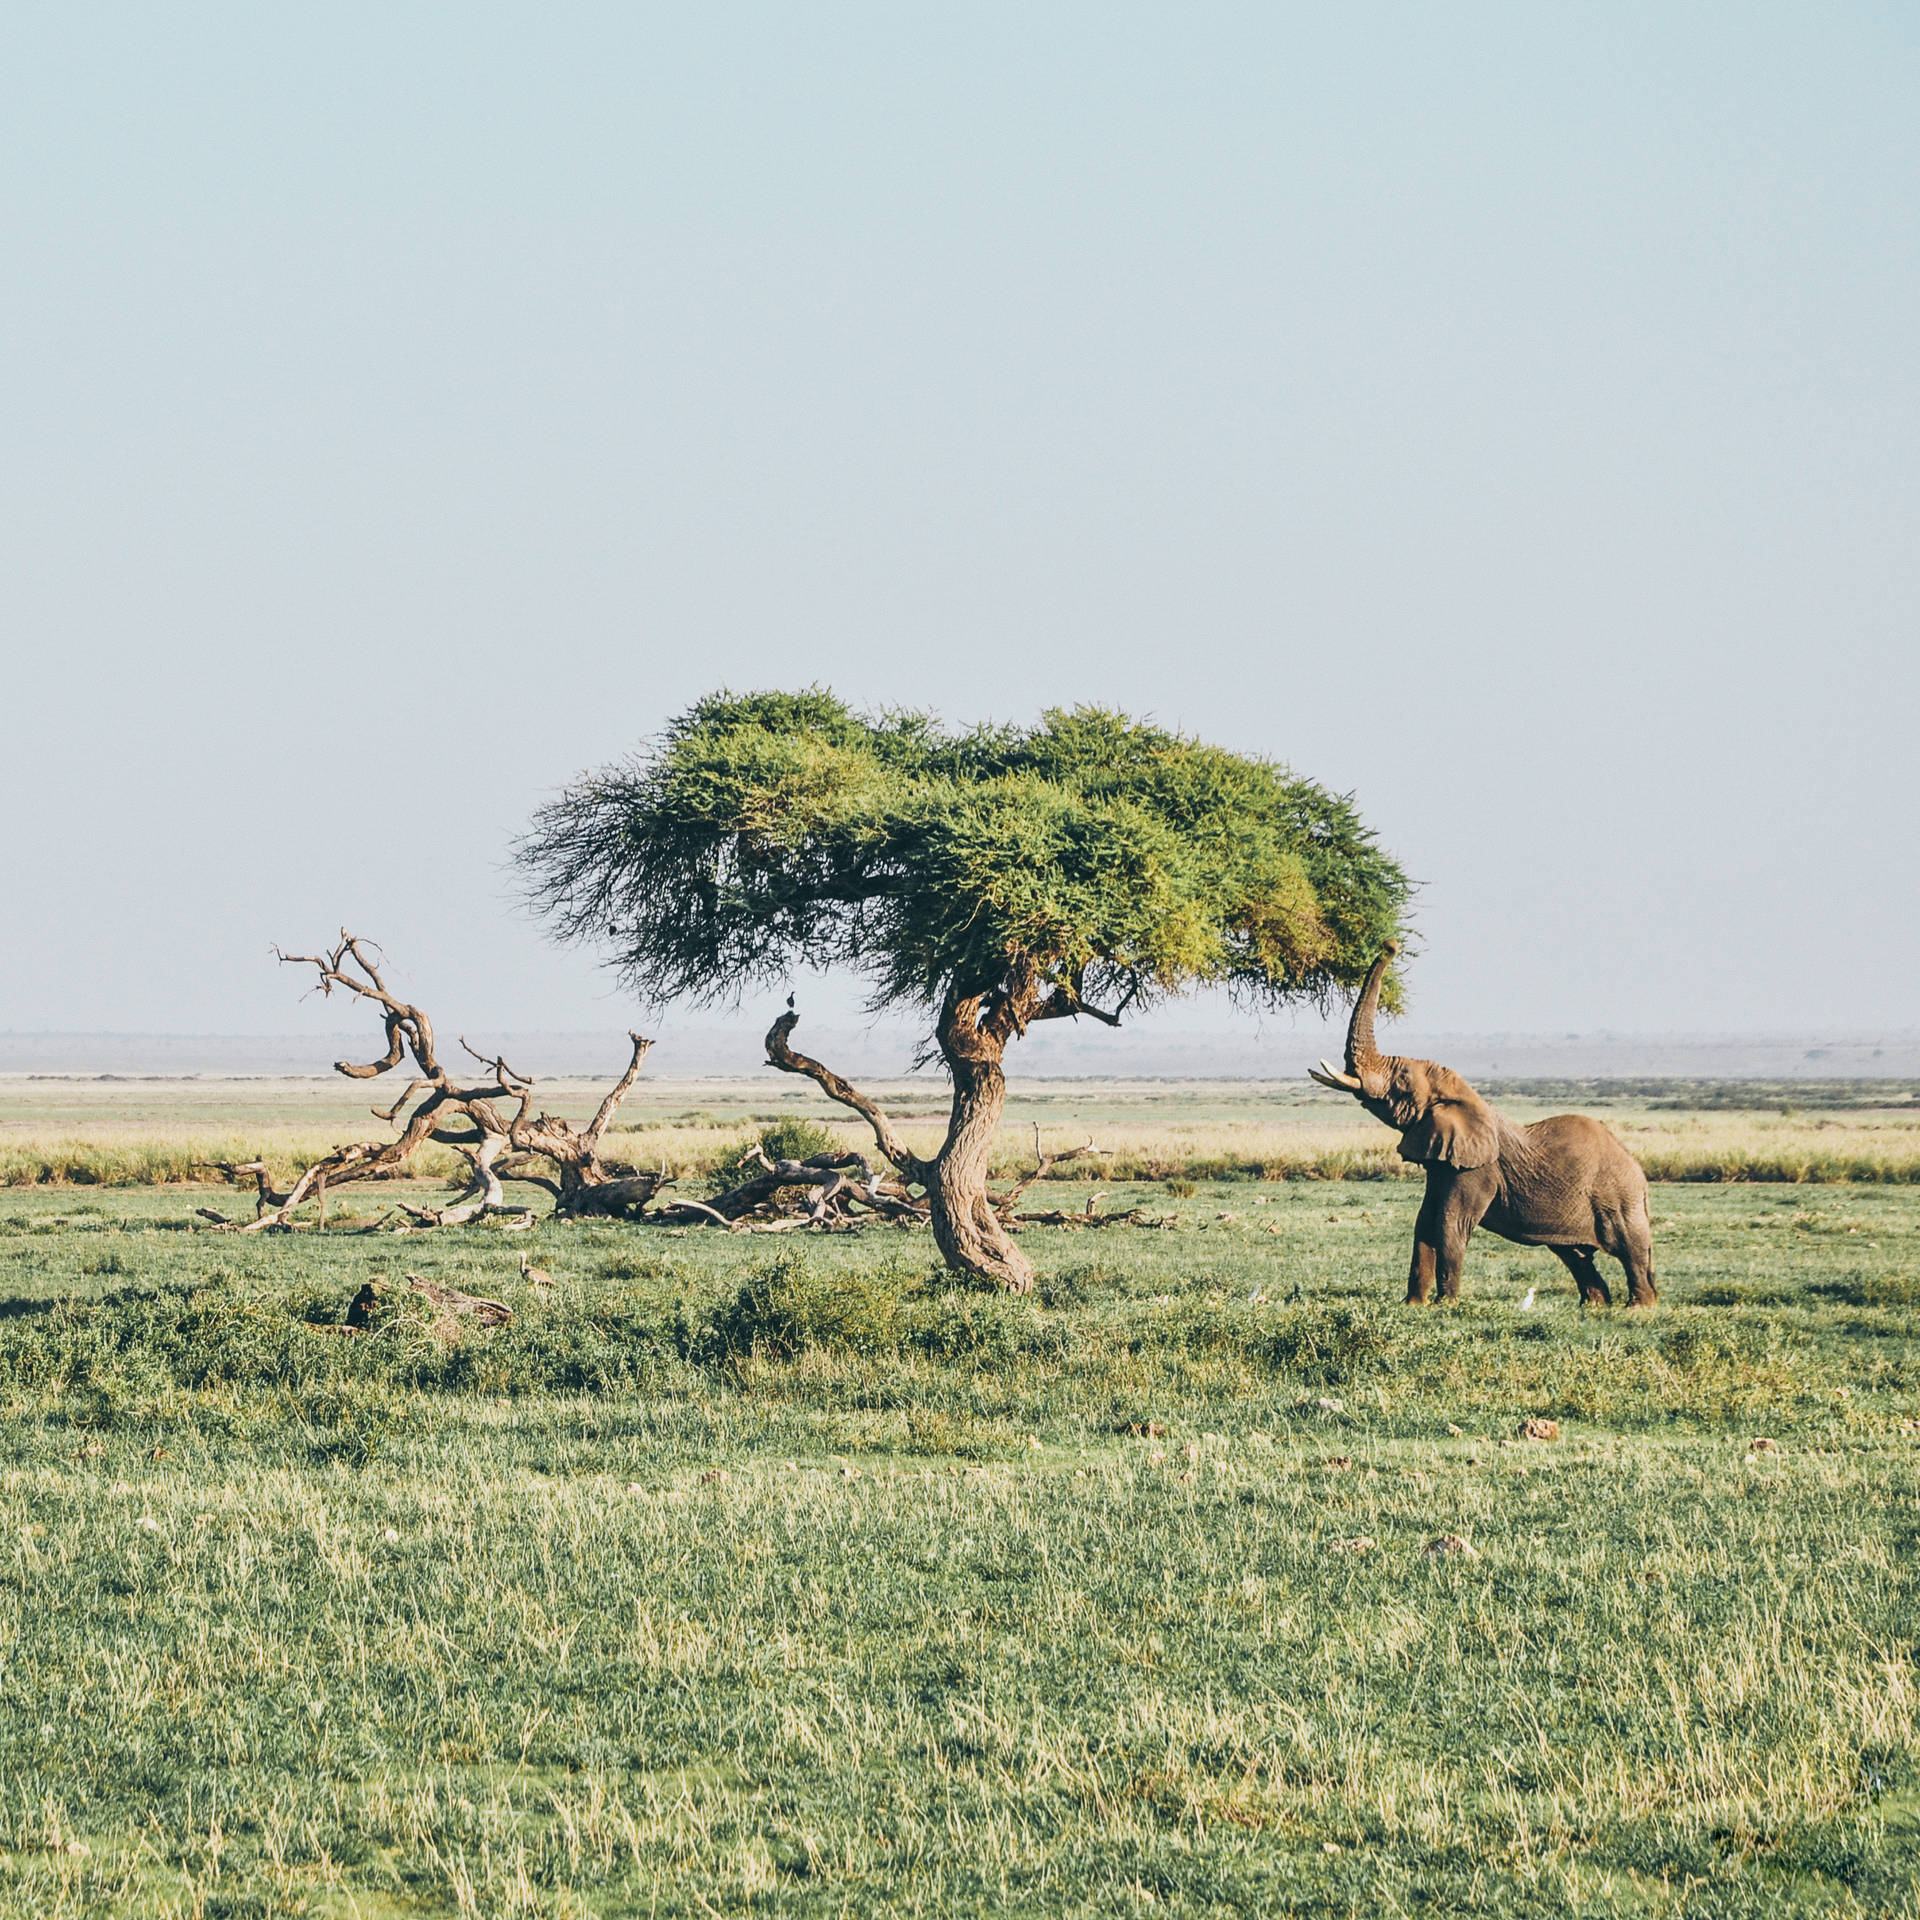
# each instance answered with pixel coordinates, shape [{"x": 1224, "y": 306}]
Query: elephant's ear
[{"x": 1458, "y": 1130}]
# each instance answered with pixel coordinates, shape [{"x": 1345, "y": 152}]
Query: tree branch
[
  {"x": 620, "y": 1089},
  {"x": 1044, "y": 1165},
  {"x": 780, "y": 1054},
  {"x": 1063, "y": 1003}
]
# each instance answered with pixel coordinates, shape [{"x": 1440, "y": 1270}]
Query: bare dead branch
[
  {"x": 392, "y": 1113},
  {"x": 374, "y": 1068},
  {"x": 694, "y": 1206},
  {"x": 465, "y": 1118},
  {"x": 620, "y": 1089},
  {"x": 510, "y": 1082},
  {"x": 826, "y": 1171},
  {"x": 782, "y": 1055},
  {"x": 1044, "y": 1164},
  {"x": 268, "y": 1195}
]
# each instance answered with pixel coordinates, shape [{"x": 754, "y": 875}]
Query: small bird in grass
[
  {"x": 1526, "y": 1305},
  {"x": 536, "y": 1277}
]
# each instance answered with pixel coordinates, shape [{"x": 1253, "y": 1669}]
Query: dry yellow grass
[{"x": 144, "y": 1134}]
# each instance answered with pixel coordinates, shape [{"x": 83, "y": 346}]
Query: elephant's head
[{"x": 1439, "y": 1117}]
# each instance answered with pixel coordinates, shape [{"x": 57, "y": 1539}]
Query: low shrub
[
  {"x": 109, "y": 1354},
  {"x": 786, "y": 1306}
]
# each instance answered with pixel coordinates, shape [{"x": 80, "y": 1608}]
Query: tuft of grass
[{"x": 789, "y": 1305}]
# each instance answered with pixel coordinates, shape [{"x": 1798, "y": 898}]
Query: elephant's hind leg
[
  {"x": 1635, "y": 1253},
  {"x": 1578, "y": 1261},
  {"x": 1627, "y": 1234}
]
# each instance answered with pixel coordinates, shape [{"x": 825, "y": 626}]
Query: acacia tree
[{"x": 989, "y": 879}]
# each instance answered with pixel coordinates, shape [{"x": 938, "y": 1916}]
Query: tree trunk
[
  {"x": 969, "y": 1233},
  {"x": 972, "y": 1035}
]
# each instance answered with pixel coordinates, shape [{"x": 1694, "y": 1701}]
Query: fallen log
[{"x": 380, "y": 1296}]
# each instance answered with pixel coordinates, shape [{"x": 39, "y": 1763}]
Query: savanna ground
[
  {"x": 752, "y": 1574},
  {"x": 110, "y": 1131}
]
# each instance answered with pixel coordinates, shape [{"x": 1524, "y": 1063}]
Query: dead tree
[{"x": 490, "y": 1124}]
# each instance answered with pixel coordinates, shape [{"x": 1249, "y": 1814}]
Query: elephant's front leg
[
  {"x": 1456, "y": 1230},
  {"x": 1451, "y": 1210},
  {"x": 1429, "y": 1233},
  {"x": 1426, "y": 1261}
]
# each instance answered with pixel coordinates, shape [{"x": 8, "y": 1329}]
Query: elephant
[{"x": 1564, "y": 1183}]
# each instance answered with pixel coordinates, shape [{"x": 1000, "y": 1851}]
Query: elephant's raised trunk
[{"x": 1362, "y": 1054}]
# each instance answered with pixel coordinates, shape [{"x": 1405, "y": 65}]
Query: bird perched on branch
[{"x": 538, "y": 1278}]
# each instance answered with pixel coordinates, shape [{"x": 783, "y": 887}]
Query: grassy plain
[
  {"x": 748, "y": 1576},
  {"x": 129, "y": 1132}
]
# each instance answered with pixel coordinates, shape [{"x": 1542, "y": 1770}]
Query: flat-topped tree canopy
[
  {"x": 1123, "y": 861},
  {"x": 992, "y": 876}
]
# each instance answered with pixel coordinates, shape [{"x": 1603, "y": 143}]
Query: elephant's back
[{"x": 1579, "y": 1140}]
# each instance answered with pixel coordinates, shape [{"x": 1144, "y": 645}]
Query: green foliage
[
  {"x": 1121, "y": 860},
  {"x": 793, "y": 1137},
  {"x": 145, "y": 1346},
  {"x": 789, "y": 1305}
]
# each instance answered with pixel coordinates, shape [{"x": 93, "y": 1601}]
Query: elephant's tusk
[{"x": 1330, "y": 1076}]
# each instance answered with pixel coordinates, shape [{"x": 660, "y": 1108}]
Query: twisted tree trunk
[
  {"x": 970, "y": 1234},
  {"x": 972, "y": 1035}
]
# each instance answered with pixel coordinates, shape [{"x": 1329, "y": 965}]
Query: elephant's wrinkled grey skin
[{"x": 1564, "y": 1183}]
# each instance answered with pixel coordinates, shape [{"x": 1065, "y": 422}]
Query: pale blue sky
[{"x": 1507, "y": 413}]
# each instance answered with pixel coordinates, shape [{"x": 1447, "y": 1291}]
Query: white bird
[
  {"x": 1526, "y": 1305},
  {"x": 537, "y": 1277}
]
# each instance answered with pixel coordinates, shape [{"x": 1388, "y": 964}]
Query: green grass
[{"x": 755, "y": 1576}]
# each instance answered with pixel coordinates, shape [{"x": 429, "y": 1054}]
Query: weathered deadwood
[
  {"x": 826, "y": 1171},
  {"x": 380, "y": 1295},
  {"x": 269, "y": 1195},
  {"x": 1132, "y": 1216},
  {"x": 583, "y": 1183},
  {"x": 491, "y": 1124},
  {"x": 1044, "y": 1164},
  {"x": 689, "y": 1213},
  {"x": 822, "y": 1171},
  {"x": 891, "y": 1200},
  {"x": 781, "y": 1054}
]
